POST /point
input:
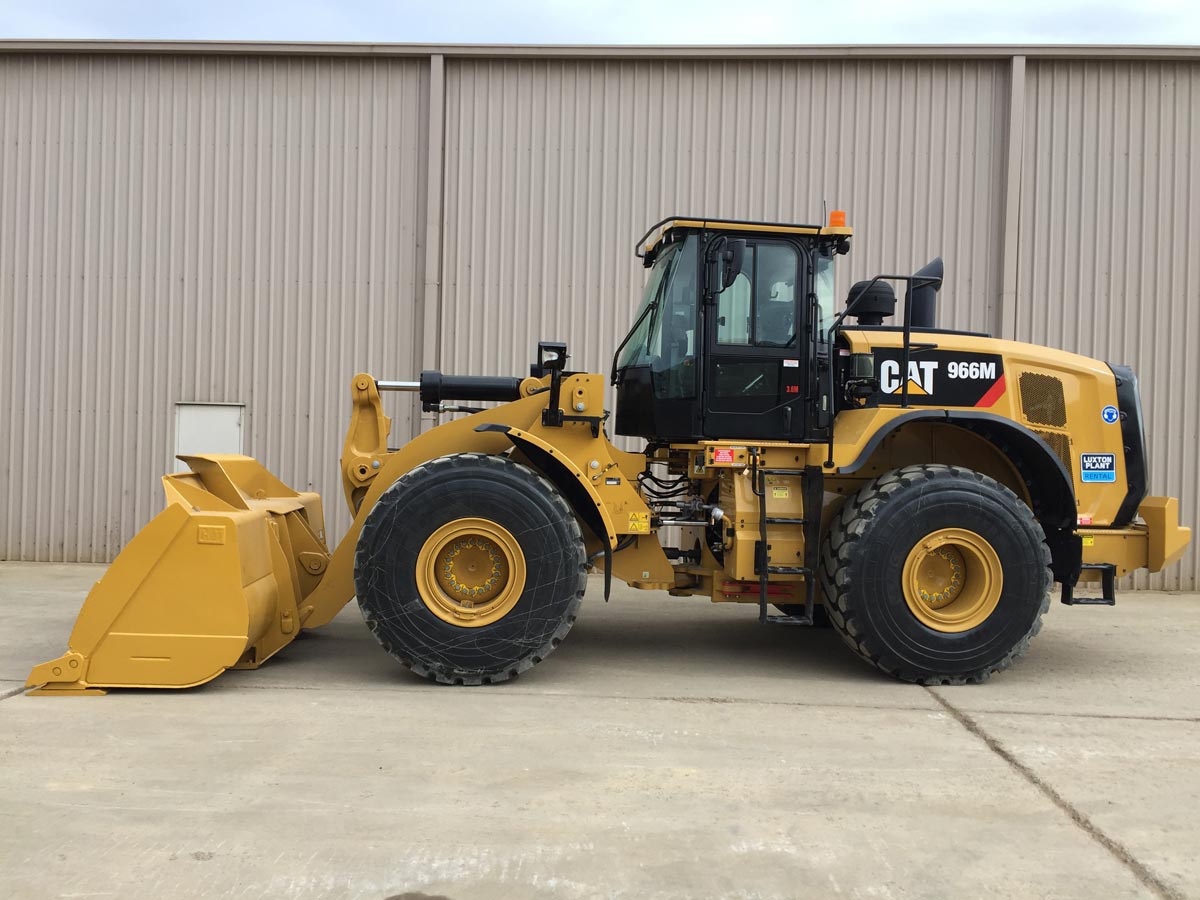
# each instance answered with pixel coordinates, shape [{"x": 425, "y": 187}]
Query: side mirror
[{"x": 732, "y": 255}]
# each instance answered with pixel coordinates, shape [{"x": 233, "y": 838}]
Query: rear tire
[
  {"x": 470, "y": 569},
  {"x": 936, "y": 574}
]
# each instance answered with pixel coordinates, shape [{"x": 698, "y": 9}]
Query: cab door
[{"x": 756, "y": 347}]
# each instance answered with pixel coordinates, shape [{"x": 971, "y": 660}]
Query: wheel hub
[
  {"x": 952, "y": 580},
  {"x": 470, "y": 572},
  {"x": 940, "y": 576},
  {"x": 472, "y": 569}
]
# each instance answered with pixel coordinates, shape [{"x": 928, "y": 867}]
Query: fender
[
  {"x": 1049, "y": 482},
  {"x": 571, "y": 481}
]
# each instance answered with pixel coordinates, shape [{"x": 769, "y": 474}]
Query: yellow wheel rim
[
  {"x": 470, "y": 572},
  {"x": 952, "y": 580}
]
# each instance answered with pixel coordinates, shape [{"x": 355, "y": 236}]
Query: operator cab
[{"x": 732, "y": 332}]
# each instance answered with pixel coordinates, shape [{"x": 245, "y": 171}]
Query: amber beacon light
[{"x": 837, "y": 218}]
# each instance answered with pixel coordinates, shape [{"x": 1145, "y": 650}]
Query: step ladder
[{"x": 813, "y": 494}]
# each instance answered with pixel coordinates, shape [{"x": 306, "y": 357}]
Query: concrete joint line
[
  {"x": 1120, "y": 717},
  {"x": 633, "y": 698},
  {"x": 1118, "y": 851},
  {"x": 11, "y": 692}
]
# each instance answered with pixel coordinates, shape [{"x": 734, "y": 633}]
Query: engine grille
[
  {"x": 1061, "y": 445},
  {"x": 1042, "y": 400}
]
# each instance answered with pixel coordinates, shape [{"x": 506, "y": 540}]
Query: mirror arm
[
  {"x": 734, "y": 256},
  {"x": 711, "y": 269}
]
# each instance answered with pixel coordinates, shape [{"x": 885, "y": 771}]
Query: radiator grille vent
[
  {"x": 1042, "y": 400},
  {"x": 1061, "y": 445}
]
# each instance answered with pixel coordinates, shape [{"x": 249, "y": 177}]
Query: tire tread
[
  {"x": 837, "y": 554},
  {"x": 537, "y": 483}
]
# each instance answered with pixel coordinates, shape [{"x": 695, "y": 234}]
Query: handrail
[{"x": 913, "y": 282}]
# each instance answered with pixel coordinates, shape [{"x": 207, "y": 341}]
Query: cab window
[
  {"x": 759, "y": 308},
  {"x": 672, "y": 343}
]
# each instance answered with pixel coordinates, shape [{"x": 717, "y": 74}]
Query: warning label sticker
[
  {"x": 726, "y": 456},
  {"x": 639, "y": 523}
]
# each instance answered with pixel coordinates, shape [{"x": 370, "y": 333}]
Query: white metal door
[{"x": 208, "y": 428}]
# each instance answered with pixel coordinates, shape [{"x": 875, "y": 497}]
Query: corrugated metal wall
[
  {"x": 554, "y": 169},
  {"x": 252, "y": 228},
  {"x": 193, "y": 229},
  {"x": 1109, "y": 262}
]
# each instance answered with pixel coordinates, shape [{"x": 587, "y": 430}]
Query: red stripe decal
[{"x": 993, "y": 393}]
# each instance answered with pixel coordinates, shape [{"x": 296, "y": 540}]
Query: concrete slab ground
[{"x": 669, "y": 749}]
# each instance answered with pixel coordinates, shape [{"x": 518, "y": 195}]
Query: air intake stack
[{"x": 871, "y": 302}]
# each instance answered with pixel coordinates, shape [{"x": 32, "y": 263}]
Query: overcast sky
[{"x": 613, "y": 21}]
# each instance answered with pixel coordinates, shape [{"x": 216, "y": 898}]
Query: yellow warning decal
[
  {"x": 1089, "y": 541},
  {"x": 639, "y": 523},
  {"x": 780, "y": 492}
]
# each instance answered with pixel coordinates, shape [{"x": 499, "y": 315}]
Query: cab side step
[{"x": 1108, "y": 589}]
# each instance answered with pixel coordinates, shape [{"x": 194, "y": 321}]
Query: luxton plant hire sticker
[{"x": 1098, "y": 466}]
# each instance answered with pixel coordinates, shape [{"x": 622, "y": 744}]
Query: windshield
[{"x": 664, "y": 327}]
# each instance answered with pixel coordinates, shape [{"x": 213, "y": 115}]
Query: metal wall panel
[
  {"x": 251, "y": 226},
  {"x": 1109, "y": 231},
  {"x": 174, "y": 228},
  {"x": 554, "y": 168}
]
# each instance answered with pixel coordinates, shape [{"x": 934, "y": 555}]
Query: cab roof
[{"x": 653, "y": 237}]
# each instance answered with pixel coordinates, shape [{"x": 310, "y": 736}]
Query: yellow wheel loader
[{"x": 917, "y": 489}]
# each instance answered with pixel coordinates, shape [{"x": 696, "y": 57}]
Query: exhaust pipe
[{"x": 922, "y": 293}]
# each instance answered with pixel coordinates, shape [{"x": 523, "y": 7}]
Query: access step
[
  {"x": 1108, "y": 587},
  {"x": 787, "y": 620}
]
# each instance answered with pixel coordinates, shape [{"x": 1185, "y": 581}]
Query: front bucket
[{"x": 216, "y": 580}]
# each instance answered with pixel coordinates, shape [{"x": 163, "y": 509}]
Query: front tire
[
  {"x": 470, "y": 569},
  {"x": 936, "y": 574}
]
